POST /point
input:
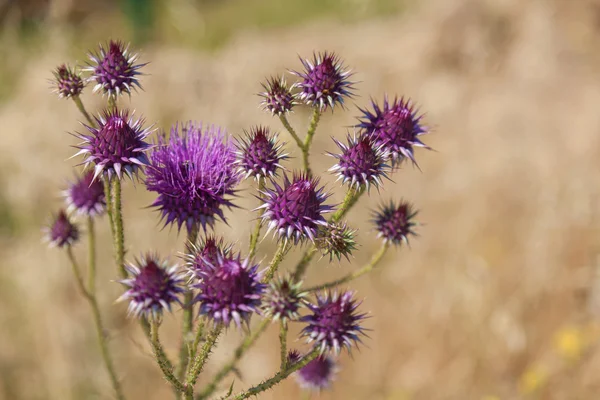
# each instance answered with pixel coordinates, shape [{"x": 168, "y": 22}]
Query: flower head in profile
[
  {"x": 295, "y": 210},
  {"x": 324, "y": 81},
  {"x": 116, "y": 145},
  {"x": 334, "y": 322},
  {"x": 201, "y": 257},
  {"x": 62, "y": 231},
  {"x": 395, "y": 222},
  {"x": 86, "y": 195},
  {"x": 283, "y": 299},
  {"x": 67, "y": 82},
  {"x": 153, "y": 286},
  {"x": 318, "y": 374},
  {"x": 277, "y": 96},
  {"x": 259, "y": 154},
  {"x": 194, "y": 174},
  {"x": 336, "y": 240},
  {"x": 230, "y": 289},
  {"x": 114, "y": 70},
  {"x": 395, "y": 128}
]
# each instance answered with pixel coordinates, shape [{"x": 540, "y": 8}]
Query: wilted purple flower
[
  {"x": 394, "y": 222},
  {"x": 153, "y": 286},
  {"x": 325, "y": 81},
  {"x": 317, "y": 374},
  {"x": 193, "y": 173},
  {"x": 259, "y": 154},
  {"x": 395, "y": 128},
  {"x": 67, "y": 83},
  {"x": 61, "y": 232},
  {"x": 282, "y": 300},
  {"x": 295, "y": 211},
  {"x": 361, "y": 162},
  {"x": 114, "y": 69},
  {"x": 86, "y": 195},
  {"x": 277, "y": 97},
  {"x": 117, "y": 145},
  {"x": 336, "y": 240},
  {"x": 230, "y": 289},
  {"x": 334, "y": 322},
  {"x": 202, "y": 256}
]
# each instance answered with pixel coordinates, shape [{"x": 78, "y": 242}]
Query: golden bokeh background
[{"x": 499, "y": 296}]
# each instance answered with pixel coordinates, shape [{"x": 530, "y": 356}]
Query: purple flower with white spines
[
  {"x": 295, "y": 210},
  {"x": 117, "y": 145},
  {"x": 395, "y": 222},
  {"x": 277, "y": 97},
  {"x": 259, "y": 154},
  {"x": 194, "y": 174},
  {"x": 318, "y": 374},
  {"x": 86, "y": 195},
  {"x": 334, "y": 322},
  {"x": 325, "y": 81},
  {"x": 200, "y": 257},
  {"x": 230, "y": 289},
  {"x": 395, "y": 128},
  {"x": 67, "y": 83},
  {"x": 153, "y": 286},
  {"x": 114, "y": 69},
  {"x": 61, "y": 231},
  {"x": 361, "y": 163},
  {"x": 283, "y": 299}
]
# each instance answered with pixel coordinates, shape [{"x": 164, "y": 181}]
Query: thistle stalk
[
  {"x": 161, "y": 359},
  {"x": 283, "y": 248},
  {"x": 283, "y": 329},
  {"x": 119, "y": 236},
  {"x": 256, "y": 233},
  {"x": 200, "y": 359},
  {"x": 314, "y": 121}
]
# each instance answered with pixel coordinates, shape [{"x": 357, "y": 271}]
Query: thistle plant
[{"x": 195, "y": 172}]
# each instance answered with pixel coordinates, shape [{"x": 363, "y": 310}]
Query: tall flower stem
[
  {"x": 278, "y": 377},
  {"x": 91, "y": 232},
  {"x": 109, "y": 204},
  {"x": 283, "y": 248},
  {"x": 283, "y": 329},
  {"x": 293, "y": 134},
  {"x": 356, "y": 274},
  {"x": 83, "y": 111},
  {"x": 237, "y": 355},
  {"x": 256, "y": 233},
  {"x": 312, "y": 128},
  {"x": 161, "y": 359},
  {"x": 119, "y": 236},
  {"x": 200, "y": 359},
  {"x": 90, "y": 296}
]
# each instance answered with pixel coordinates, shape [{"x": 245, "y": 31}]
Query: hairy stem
[
  {"x": 200, "y": 359},
  {"x": 291, "y": 130},
  {"x": 284, "y": 246},
  {"x": 112, "y": 101},
  {"x": 256, "y": 233},
  {"x": 91, "y": 232},
  {"x": 356, "y": 274},
  {"x": 304, "y": 263},
  {"x": 314, "y": 121},
  {"x": 83, "y": 111},
  {"x": 283, "y": 329},
  {"x": 119, "y": 236},
  {"x": 109, "y": 204},
  {"x": 161, "y": 359}
]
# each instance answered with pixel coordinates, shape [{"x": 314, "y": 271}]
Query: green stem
[
  {"x": 278, "y": 377},
  {"x": 92, "y": 256},
  {"x": 83, "y": 111},
  {"x": 109, "y": 204},
  {"x": 277, "y": 258},
  {"x": 200, "y": 359},
  {"x": 197, "y": 339},
  {"x": 256, "y": 233},
  {"x": 283, "y": 329},
  {"x": 112, "y": 101},
  {"x": 356, "y": 274},
  {"x": 102, "y": 343},
  {"x": 161, "y": 359},
  {"x": 314, "y": 121},
  {"x": 119, "y": 236},
  {"x": 291, "y": 130},
  {"x": 304, "y": 263},
  {"x": 237, "y": 355}
]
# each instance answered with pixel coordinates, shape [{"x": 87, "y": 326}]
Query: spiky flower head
[
  {"x": 230, "y": 289},
  {"x": 317, "y": 374},
  {"x": 86, "y": 195},
  {"x": 67, "y": 83},
  {"x": 116, "y": 145},
  {"x": 200, "y": 257},
  {"x": 282, "y": 300},
  {"x": 259, "y": 154},
  {"x": 325, "y": 81},
  {"x": 114, "y": 69},
  {"x": 277, "y": 97},
  {"x": 336, "y": 239},
  {"x": 334, "y": 322},
  {"x": 293, "y": 356},
  {"x": 194, "y": 174},
  {"x": 395, "y": 221},
  {"x": 361, "y": 163},
  {"x": 62, "y": 231},
  {"x": 395, "y": 128},
  {"x": 154, "y": 285},
  {"x": 295, "y": 210}
]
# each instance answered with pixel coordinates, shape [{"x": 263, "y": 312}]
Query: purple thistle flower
[
  {"x": 334, "y": 322},
  {"x": 61, "y": 232},
  {"x": 395, "y": 128},
  {"x": 193, "y": 173},
  {"x": 295, "y": 210},
  {"x": 114, "y": 69},
  {"x": 325, "y": 81},
  {"x": 336, "y": 240},
  {"x": 277, "y": 97},
  {"x": 86, "y": 196},
  {"x": 230, "y": 289},
  {"x": 361, "y": 163},
  {"x": 153, "y": 287},
  {"x": 67, "y": 83},
  {"x": 282, "y": 300},
  {"x": 317, "y": 374},
  {"x": 259, "y": 154},
  {"x": 117, "y": 145},
  {"x": 394, "y": 222},
  {"x": 200, "y": 257}
]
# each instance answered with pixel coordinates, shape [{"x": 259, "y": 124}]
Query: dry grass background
[{"x": 498, "y": 298}]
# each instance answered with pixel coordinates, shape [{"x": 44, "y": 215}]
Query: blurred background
[{"x": 498, "y": 298}]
